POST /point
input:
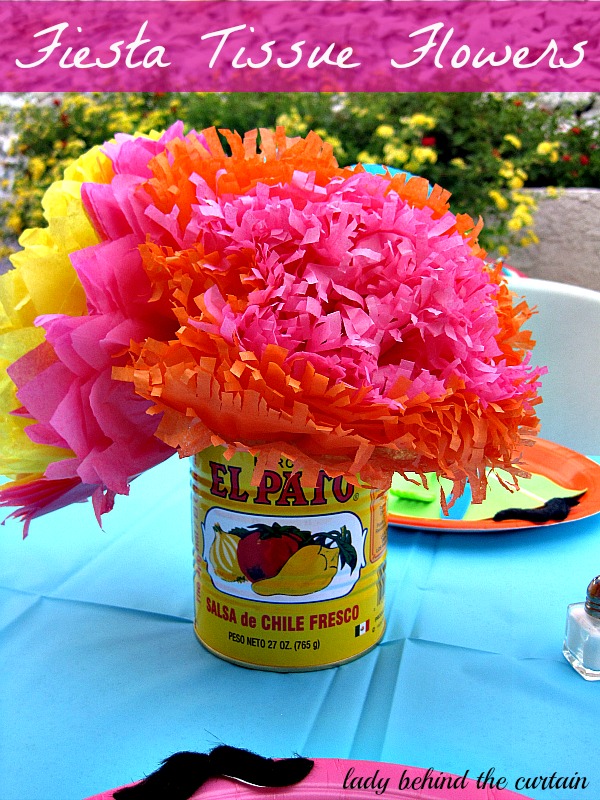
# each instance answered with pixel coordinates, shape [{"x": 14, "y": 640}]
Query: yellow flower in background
[
  {"x": 36, "y": 168},
  {"x": 366, "y": 158},
  {"x": 514, "y": 224},
  {"x": 503, "y": 250},
  {"x": 384, "y": 131},
  {"x": 523, "y": 213},
  {"x": 92, "y": 112},
  {"x": 518, "y": 179},
  {"x": 43, "y": 281},
  {"x": 13, "y": 222},
  {"x": 424, "y": 155},
  {"x": 419, "y": 121},
  {"x": 500, "y": 201},
  {"x": 395, "y": 154},
  {"x": 507, "y": 170},
  {"x": 71, "y": 102},
  {"x": 549, "y": 149},
  {"x": 552, "y": 191},
  {"x": 529, "y": 239},
  {"x": 122, "y": 121},
  {"x": 334, "y": 141},
  {"x": 527, "y": 199},
  {"x": 155, "y": 119},
  {"x": 293, "y": 122},
  {"x": 458, "y": 162},
  {"x": 74, "y": 147},
  {"x": 514, "y": 140}
]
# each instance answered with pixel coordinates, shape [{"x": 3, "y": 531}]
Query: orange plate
[{"x": 564, "y": 466}]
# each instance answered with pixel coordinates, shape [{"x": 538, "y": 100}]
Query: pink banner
[{"x": 299, "y": 45}]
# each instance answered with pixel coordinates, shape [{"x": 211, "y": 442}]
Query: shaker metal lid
[{"x": 592, "y": 602}]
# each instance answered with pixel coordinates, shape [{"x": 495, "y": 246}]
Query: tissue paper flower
[
  {"x": 275, "y": 303},
  {"x": 71, "y": 432},
  {"x": 43, "y": 281}
]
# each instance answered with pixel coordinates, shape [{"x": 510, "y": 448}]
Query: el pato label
[{"x": 288, "y": 576}]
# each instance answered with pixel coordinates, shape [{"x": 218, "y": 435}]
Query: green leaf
[
  {"x": 276, "y": 531},
  {"x": 342, "y": 540}
]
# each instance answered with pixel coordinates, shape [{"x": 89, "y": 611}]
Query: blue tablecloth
[{"x": 101, "y": 675}]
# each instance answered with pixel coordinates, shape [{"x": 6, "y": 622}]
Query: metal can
[{"x": 287, "y": 576}]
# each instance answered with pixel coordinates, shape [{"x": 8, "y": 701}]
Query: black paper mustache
[
  {"x": 182, "y": 774},
  {"x": 556, "y": 509}
]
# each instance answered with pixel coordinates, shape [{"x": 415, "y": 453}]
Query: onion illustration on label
[{"x": 281, "y": 559}]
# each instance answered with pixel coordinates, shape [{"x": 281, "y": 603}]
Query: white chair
[{"x": 567, "y": 331}]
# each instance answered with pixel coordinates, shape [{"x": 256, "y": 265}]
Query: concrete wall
[{"x": 569, "y": 231}]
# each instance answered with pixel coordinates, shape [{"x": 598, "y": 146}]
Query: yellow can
[{"x": 287, "y": 576}]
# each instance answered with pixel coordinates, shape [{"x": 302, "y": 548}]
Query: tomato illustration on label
[
  {"x": 281, "y": 559},
  {"x": 263, "y": 552}
]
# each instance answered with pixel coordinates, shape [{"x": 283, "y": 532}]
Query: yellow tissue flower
[{"x": 43, "y": 281}]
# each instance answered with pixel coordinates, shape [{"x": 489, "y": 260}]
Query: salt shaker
[{"x": 582, "y": 636}]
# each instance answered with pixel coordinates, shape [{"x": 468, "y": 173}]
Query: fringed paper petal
[{"x": 35, "y": 496}]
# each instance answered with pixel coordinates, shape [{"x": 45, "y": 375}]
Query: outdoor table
[{"x": 102, "y": 676}]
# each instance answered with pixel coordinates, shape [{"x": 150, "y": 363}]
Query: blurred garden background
[{"x": 504, "y": 157}]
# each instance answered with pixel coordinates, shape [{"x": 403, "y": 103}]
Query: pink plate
[{"x": 341, "y": 779}]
